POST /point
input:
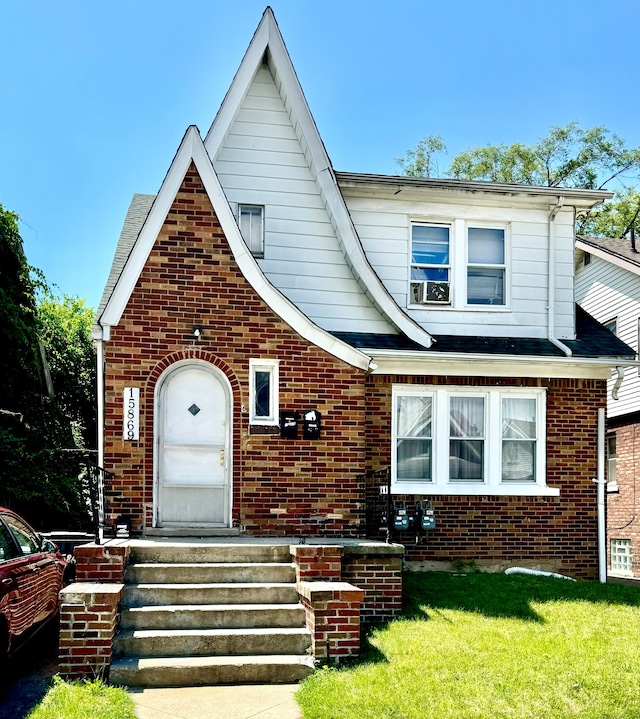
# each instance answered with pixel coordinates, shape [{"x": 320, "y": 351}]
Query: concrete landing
[{"x": 256, "y": 701}]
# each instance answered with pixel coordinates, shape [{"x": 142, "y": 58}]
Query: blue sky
[{"x": 95, "y": 95}]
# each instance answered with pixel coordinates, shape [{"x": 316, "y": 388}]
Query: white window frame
[
  {"x": 426, "y": 266},
  {"x": 255, "y": 240},
  {"x": 270, "y": 366},
  {"x": 493, "y": 483},
  {"x": 504, "y": 266},
  {"x": 458, "y": 263}
]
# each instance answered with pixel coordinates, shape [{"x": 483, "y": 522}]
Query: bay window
[{"x": 463, "y": 440}]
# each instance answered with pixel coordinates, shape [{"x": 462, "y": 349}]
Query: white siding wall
[
  {"x": 608, "y": 292},
  {"x": 262, "y": 162},
  {"x": 384, "y": 229}
]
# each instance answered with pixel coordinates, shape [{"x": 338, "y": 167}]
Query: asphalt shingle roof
[
  {"x": 614, "y": 246},
  {"x": 592, "y": 340},
  {"x": 136, "y": 215}
]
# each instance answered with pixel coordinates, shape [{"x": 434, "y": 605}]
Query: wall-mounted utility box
[
  {"x": 289, "y": 424},
  {"x": 311, "y": 424}
]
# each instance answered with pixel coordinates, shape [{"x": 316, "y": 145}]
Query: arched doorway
[{"x": 193, "y": 448}]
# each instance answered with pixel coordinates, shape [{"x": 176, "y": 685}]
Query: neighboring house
[
  {"x": 273, "y": 330},
  {"x": 608, "y": 287}
]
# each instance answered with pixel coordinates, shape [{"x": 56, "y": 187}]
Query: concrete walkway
[{"x": 252, "y": 701}]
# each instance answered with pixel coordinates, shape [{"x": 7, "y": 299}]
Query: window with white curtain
[{"x": 463, "y": 440}]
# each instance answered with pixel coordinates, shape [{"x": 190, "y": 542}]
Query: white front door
[{"x": 193, "y": 448}]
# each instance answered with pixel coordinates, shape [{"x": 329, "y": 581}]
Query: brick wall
[
  {"x": 379, "y": 575},
  {"x": 99, "y": 563},
  {"x": 374, "y": 568},
  {"x": 280, "y": 486},
  {"x": 332, "y": 611},
  {"x": 623, "y": 507},
  {"x": 88, "y": 621},
  {"x": 552, "y": 533}
]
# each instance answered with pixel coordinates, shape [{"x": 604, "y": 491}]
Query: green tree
[
  {"x": 64, "y": 329},
  {"x": 39, "y": 462},
  {"x": 565, "y": 157},
  {"x": 421, "y": 161}
]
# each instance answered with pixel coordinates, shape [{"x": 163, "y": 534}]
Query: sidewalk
[{"x": 247, "y": 701}]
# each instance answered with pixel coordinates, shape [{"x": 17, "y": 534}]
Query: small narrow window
[
  {"x": 251, "y": 220},
  {"x": 612, "y": 326},
  {"x": 612, "y": 484},
  {"x": 263, "y": 392},
  {"x": 486, "y": 268},
  {"x": 587, "y": 258}
]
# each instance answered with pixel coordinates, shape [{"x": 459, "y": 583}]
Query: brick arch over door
[{"x": 195, "y": 355}]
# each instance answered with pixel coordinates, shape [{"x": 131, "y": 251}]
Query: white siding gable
[
  {"x": 261, "y": 161},
  {"x": 383, "y": 225},
  {"x": 608, "y": 292}
]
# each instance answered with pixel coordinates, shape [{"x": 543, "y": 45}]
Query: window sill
[
  {"x": 612, "y": 488},
  {"x": 464, "y": 308},
  {"x": 529, "y": 490},
  {"x": 264, "y": 429}
]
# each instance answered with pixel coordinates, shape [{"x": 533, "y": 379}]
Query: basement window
[{"x": 621, "y": 558}]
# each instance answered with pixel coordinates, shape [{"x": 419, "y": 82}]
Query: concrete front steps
[{"x": 199, "y": 614}]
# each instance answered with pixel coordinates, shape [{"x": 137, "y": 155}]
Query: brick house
[
  {"x": 273, "y": 330},
  {"x": 608, "y": 287}
]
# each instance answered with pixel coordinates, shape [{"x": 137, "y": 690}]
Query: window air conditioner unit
[{"x": 434, "y": 292}]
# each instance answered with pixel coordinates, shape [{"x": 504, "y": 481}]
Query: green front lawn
[
  {"x": 84, "y": 700},
  {"x": 494, "y": 646}
]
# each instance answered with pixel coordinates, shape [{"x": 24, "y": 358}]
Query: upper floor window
[
  {"x": 612, "y": 326},
  {"x": 251, "y": 221},
  {"x": 430, "y": 264},
  {"x": 459, "y": 264},
  {"x": 460, "y": 440},
  {"x": 486, "y": 266}
]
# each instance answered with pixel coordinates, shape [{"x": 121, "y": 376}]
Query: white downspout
[
  {"x": 100, "y": 391},
  {"x": 551, "y": 306},
  {"x": 616, "y": 387},
  {"x": 600, "y": 481}
]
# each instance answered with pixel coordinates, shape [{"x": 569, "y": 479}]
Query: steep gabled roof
[
  {"x": 268, "y": 46},
  {"x": 137, "y": 214},
  {"x": 619, "y": 252},
  {"x": 192, "y": 150}
]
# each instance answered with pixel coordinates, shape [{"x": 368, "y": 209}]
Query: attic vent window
[
  {"x": 194, "y": 409},
  {"x": 251, "y": 221}
]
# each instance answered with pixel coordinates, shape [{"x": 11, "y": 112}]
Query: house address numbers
[{"x": 131, "y": 423}]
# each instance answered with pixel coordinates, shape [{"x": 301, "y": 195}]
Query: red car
[{"x": 31, "y": 576}]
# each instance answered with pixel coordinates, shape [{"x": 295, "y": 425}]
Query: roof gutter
[
  {"x": 551, "y": 306},
  {"x": 430, "y": 356}
]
